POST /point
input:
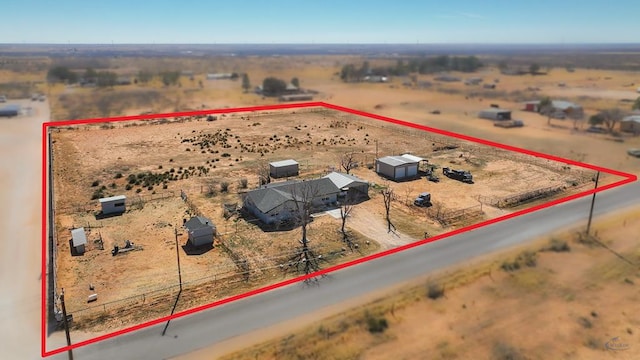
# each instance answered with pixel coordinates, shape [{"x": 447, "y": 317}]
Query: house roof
[
  {"x": 288, "y": 162},
  {"x": 198, "y": 222},
  {"x": 342, "y": 180},
  {"x": 557, "y": 104},
  {"x": 78, "y": 237},
  {"x": 112, "y": 198},
  {"x": 273, "y": 195},
  {"x": 396, "y": 160},
  {"x": 632, "y": 118}
]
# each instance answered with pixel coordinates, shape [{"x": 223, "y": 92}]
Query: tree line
[
  {"x": 107, "y": 78},
  {"x": 402, "y": 67}
]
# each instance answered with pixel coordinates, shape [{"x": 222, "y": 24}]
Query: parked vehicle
[
  {"x": 424, "y": 199},
  {"x": 459, "y": 175}
]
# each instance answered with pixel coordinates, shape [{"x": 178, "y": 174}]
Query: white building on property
[{"x": 113, "y": 204}]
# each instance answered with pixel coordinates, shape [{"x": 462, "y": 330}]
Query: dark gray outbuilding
[{"x": 201, "y": 231}]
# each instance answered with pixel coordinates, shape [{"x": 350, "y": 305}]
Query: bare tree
[
  {"x": 387, "y": 196},
  {"x": 345, "y": 211},
  {"x": 264, "y": 173},
  {"x": 347, "y": 161},
  {"x": 304, "y": 259},
  {"x": 545, "y": 107}
]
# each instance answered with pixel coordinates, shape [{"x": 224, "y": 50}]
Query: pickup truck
[{"x": 424, "y": 199}]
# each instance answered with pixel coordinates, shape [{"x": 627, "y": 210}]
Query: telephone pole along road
[{"x": 221, "y": 323}]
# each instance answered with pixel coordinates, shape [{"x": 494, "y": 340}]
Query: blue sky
[{"x": 323, "y": 21}]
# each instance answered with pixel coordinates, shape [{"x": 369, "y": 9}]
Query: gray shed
[
  {"x": 495, "y": 114},
  {"x": 631, "y": 124},
  {"x": 113, "y": 204},
  {"x": 201, "y": 231},
  {"x": 397, "y": 167},
  {"x": 283, "y": 168},
  {"x": 78, "y": 240}
]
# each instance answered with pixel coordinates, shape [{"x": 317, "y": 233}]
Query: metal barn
[
  {"x": 284, "y": 168},
  {"x": 397, "y": 167},
  {"x": 495, "y": 114},
  {"x": 113, "y": 204}
]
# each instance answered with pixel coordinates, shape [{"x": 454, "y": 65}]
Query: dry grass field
[{"x": 153, "y": 162}]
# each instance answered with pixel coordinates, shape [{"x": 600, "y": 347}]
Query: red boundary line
[{"x": 628, "y": 178}]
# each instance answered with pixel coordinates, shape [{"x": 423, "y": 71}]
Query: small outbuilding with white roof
[
  {"x": 113, "y": 204},
  {"x": 283, "y": 168},
  {"x": 78, "y": 241}
]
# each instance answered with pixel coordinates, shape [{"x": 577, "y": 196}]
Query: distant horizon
[
  {"x": 329, "y": 22},
  {"x": 332, "y": 43}
]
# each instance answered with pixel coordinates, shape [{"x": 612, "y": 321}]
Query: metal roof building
[
  {"x": 283, "y": 168},
  {"x": 397, "y": 167},
  {"x": 349, "y": 185},
  {"x": 78, "y": 240},
  {"x": 113, "y": 204},
  {"x": 201, "y": 231},
  {"x": 495, "y": 114}
]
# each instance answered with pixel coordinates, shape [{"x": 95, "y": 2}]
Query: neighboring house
[
  {"x": 495, "y": 114},
  {"x": 283, "y": 168},
  {"x": 557, "y": 106},
  {"x": 630, "y": 124},
  {"x": 350, "y": 186},
  {"x": 473, "y": 81},
  {"x": 78, "y": 240},
  {"x": 219, "y": 76},
  {"x": 201, "y": 231},
  {"x": 397, "y": 167},
  {"x": 279, "y": 202},
  {"x": 375, "y": 78}
]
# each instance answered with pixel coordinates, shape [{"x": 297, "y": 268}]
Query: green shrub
[
  {"x": 376, "y": 324},
  {"x": 435, "y": 291},
  {"x": 95, "y": 183},
  {"x": 118, "y": 176}
]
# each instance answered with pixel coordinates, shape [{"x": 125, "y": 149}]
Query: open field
[
  {"x": 153, "y": 162},
  {"x": 574, "y": 300}
]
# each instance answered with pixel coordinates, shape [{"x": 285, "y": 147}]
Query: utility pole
[
  {"x": 593, "y": 200},
  {"x": 178, "y": 257},
  {"x": 66, "y": 324}
]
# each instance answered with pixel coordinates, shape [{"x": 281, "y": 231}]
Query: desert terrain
[{"x": 458, "y": 104}]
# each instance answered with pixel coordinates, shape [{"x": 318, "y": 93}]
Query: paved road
[{"x": 221, "y": 323}]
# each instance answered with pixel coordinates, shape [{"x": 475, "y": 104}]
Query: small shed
[
  {"x": 284, "y": 168},
  {"x": 78, "y": 240},
  {"x": 495, "y": 114},
  {"x": 201, "y": 231},
  {"x": 113, "y": 204},
  {"x": 397, "y": 167},
  {"x": 630, "y": 124}
]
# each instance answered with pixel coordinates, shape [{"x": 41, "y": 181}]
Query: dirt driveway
[{"x": 371, "y": 223}]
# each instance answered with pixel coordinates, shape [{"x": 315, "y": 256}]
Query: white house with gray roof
[{"x": 278, "y": 202}]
